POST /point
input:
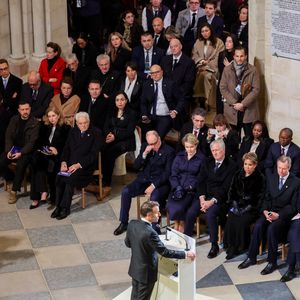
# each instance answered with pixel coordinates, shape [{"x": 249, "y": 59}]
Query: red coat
[{"x": 55, "y": 72}]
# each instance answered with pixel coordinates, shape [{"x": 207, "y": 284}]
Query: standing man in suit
[
  {"x": 278, "y": 207},
  {"x": 145, "y": 244},
  {"x": 10, "y": 90},
  {"x": 160, "y": 40},
  {"x": 162, "y": 103},
  {"x": 211, "y": 18},
  {"x": 197, "y": 127},
  {"x": 186, "y": 24},
  {"x": 213, "y": 185},
  {"x": 146, "y": 55},
  {"x": 284, "y": 146},
  {"x": 78, "y": 162},
  {"x": 37, "y": 93},
  {"x": 180, "y": 68},
  {"x": 155, "y": 160}
]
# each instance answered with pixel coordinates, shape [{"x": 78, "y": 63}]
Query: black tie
[
  {"x": 193, "y": 20},
  {"x": 155, "y": 99},
  {"x": 174, "y": 63},
  {"x": 82, "y": 134},
  {"x": 34, "y": 94},
  {"x": 147, "y": 61},
  {"x": 156, "y": 36},
  {"x": 156, "y": 13},
  {"x": 282, "y": 151},
  {"x": 216, "y": 166}
]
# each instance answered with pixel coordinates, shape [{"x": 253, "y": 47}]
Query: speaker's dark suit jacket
[
  {"x": 183, "y": 74},
  {"x": 217, "y": 24},
  {"x": 274, "y": 152},
  {"x": 138, "y": 56},
  {"x": 44, "y": 96},
  {"x": 145, "y": 244}
]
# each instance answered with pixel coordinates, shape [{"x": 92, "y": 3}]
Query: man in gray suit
[
  {"x": 145, "y": 243},
  {"x": 186, "y": 24}
]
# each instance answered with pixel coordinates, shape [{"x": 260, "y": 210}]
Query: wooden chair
[
  {"x": 98, "y": 173},
  {"x": 284, "y": 250}
]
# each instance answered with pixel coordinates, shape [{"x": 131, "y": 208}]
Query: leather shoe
[
  {"x": 213, "y": 252},
  {"x": 231, "y": 253},
  {"x": 56, "y": 212},
  {"x": 63, "y": 214},
  {"x": 120, "y": 229},
  {"x": 34, "y": 206},
  {"x": 247, "y": 263},
  {"x": 269, "y": 268},
  {"x": 289, "y": 275}
]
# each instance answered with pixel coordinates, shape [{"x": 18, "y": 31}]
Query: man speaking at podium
[{"x": 145, "y": 243}]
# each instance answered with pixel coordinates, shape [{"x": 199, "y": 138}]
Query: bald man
[
  {"x": 37, "y": 93},
  {"x": 160, "y": 40}
]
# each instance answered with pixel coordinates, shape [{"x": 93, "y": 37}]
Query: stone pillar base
[{"x": 18, "y": 67}]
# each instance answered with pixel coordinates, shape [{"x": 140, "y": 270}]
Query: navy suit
[
  {"x": 282, "y": 202},
  {"x": 217, "y": 24},
  {"x": 273, "y": 154},
  {"x": 156, "y": 169},
  {"x": 138, "y": 56}
]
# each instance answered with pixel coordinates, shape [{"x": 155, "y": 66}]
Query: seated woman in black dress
[
  {"x": 46, "y": 160},
  {"x": 119, "y": 135},
  {"x": 222, "y": 130},
  {"x": 258, "y": 142},
  {"x": 183, "y": 179},
  {"x": 245, "y": 197}
]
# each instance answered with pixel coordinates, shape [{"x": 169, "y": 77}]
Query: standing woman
[
  {"x": 183, "y": 179},
  {"x": 118, "y": 51},
  {"x": 66, "y": 102},
  {"x": 205, "y": 55},
  {"x": 46, "y": 163},
  {"x": 245, "y": 197},
  {"x": 119, "y": 135},
  {"x": 52, "y": 67}
]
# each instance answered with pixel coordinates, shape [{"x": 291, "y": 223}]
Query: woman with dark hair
[
  {"x": 85, "y": 51},
  {"x": 222, "y": 130},
  {"x": 130, "y": 29},
  {"x": 46, "y": 160},
  {"x": 225, "y": 59},
  {"x": 66, "y": 102},
  {"x": 245, "y": 197},
  {"x": 183, "y": 179},
  {"x": 119, "y": 135},
  {"x": 205, "y": 55},
  {"x": 258, "y": 142},
  {"x": 52, "y": 67},
  {"x": 118, "y": 51}
]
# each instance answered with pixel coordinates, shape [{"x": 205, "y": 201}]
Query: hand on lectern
[{"x": 191, "y": 255}]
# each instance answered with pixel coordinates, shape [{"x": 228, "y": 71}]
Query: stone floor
[{"x": 80, "y": 258}]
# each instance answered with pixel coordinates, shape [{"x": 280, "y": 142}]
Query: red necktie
[{"x": 195, "y": 133}]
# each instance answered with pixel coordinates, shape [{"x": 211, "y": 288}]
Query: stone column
[
  {"x": 39, "y": 32},
  {"x": 15, "y": 20}
]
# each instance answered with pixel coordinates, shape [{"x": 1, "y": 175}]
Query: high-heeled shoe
[{"x": 34, "y": 206}]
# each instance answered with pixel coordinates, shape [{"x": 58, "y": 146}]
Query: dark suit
[
  {"x": 78, "y": 149},
  {"x": 217, "y": 24},
  {"x": 282, "y": 202},
  {"x": 243, "y": 38},
  {"x": 174, "y": 100},
  {"x": 212, "y": 184},
  {"x": 293, "y": 238},
  {"x": 145, "y": 244},
  {"x": 43, "y": 98},
  {"x": 90, "y": 55},
  {"x": 122, "y": 57},
  {"x": 273, "y": 154},
  {"x": 162, "y": 42},
  {"x": 202, "y": 135},
  {"x": 156, "y": 169},
  {"x": 138, "y": 56}
]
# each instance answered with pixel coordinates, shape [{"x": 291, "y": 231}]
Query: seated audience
[
  {"x": 66, "y": 102},
  {"x": 162, "y": 104},
  {"x": 155, "y": 161},
  {"x": 223, "y": 131},
  {"x": 20, "y": 138},
  {"x": 258, "y": 142},
  {"x": 160, "y": 40},
  {"x": 183, "y": 179},
  {"x": 45, "y": 163},
  {"x": 284, "y": 146},
  {"x": 118, "y": 51},
  {"x": 245, "y": 197},
  {"x": 214, "y": 181},
  {"x": 52, "y": 67},
  {"x": 79, "y": 74},
  {"x": 172, "y": 33},
  {"x": 278, "y": 207},
  {"x": 205, "y": 55},
  {"x": 37, "y": 93},
  {"x": 78, "y": 162},
  {"x": 198, "y": 128},
  {"x": 85, "y": 51},
  {"x": 118, "y": 134}
]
